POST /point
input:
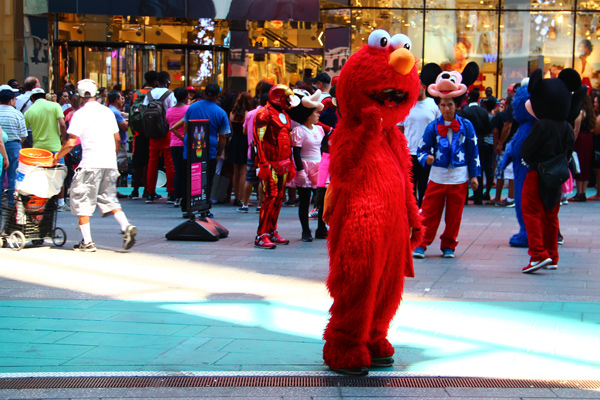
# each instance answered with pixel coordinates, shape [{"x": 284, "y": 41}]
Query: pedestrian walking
[{"x": 95, "y": 181}]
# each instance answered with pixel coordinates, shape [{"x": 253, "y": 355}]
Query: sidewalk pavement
[{"x": 228, "y": 308}]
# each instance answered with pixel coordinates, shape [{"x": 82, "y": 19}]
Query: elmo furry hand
[{"x": 370, "y": 244}]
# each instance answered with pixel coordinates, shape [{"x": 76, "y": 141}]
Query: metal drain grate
[{"x": 286, "y": 381}]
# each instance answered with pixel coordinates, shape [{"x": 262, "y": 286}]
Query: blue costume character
[{"x": 513, "y": 153}]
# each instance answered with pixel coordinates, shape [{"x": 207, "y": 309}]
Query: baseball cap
[
  {"x": 191, "y": 89},
  {"x": 321, "y": 77},
  {"x": 37, "y": 90},
  {"x": 7, "y": 87},
  {"x": 87, "y": 88},
  {"x": 6, "y": 94},
  {"x": 212, "y": 89}
]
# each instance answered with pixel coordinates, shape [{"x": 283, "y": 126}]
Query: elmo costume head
[{"x": 382, "y": 73}]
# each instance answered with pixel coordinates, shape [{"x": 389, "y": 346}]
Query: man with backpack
[
  {"x": 156, "y": 128},
  {"x": 140, "y": 142}
]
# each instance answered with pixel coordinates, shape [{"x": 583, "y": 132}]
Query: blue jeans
[{"x": 12, "y": 150}]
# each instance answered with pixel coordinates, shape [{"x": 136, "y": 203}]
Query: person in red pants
[
  {"x": 274, "y": 159},
  {"x": 161, "y": 147},
  {"x": 551, "y": 136}
]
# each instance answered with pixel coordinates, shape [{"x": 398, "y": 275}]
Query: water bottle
[{"x": 129, "y": 180}]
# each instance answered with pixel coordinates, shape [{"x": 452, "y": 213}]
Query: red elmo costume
[{"x": 370, "y": 205}]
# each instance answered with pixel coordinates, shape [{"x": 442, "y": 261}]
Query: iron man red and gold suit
[{"x": 274, "y": 159}]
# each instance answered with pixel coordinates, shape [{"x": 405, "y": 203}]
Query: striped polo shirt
[{"x": 12, "y": 122}]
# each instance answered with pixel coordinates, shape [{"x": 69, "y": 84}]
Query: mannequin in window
[{"x": 582, "y": 63}]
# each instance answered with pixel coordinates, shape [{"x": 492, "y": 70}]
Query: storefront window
[
  {"x": 589, "y": 5},
  {"x": 408, "y": 22},
  {"x": 587, "y": 48},
  {"x": 463, "y": 4},
  {"x": 539, "y": 5},
  {"x": 535, "y": 40},
  {"x": 455, "y": 38}
]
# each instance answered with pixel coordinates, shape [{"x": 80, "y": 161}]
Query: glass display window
[
  {"x": 592, "y": 5},
  {"x": 455, "y": 38},
  {"x": 534, "y": 40},
  {"x": 408, "y": 22},
  {"x": 462, "y": 4},
  {"x": 586, "y": 58},
  {"x": 539, "y": 5}
]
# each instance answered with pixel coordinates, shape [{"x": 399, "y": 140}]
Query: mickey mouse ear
[
  {"x": 470, "y": 73},
  {"x": 534, "y": 79},
  {"x": 571, "y": 78},
  {"x": 429, "y": 73}
]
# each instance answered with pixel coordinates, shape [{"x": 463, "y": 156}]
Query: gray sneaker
[
  {"x": 86, "y": 247},
  {"x": 129, "y": 237}
]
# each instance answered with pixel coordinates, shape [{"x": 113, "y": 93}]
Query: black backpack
[{"x": 155, "y": 117}]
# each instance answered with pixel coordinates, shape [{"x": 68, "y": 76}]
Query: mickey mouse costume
[{"x": 551, "y": 135}]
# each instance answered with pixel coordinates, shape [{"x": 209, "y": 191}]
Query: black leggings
[{"x": 305, "y": 194}]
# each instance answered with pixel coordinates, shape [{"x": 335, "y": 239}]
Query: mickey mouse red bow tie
[{"x": 443, "y": 129}]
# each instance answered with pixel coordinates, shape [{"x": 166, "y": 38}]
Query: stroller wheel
[
  {"x": 59, "y": 237},
  {"x": 16, "y": 240}
]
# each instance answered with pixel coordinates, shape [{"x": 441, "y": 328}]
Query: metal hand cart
[{"x": 31, "y": 219}]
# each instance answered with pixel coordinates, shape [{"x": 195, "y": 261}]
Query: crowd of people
[{"x": 29, "y": 117}]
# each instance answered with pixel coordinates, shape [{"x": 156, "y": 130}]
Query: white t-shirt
[
  {"x": 96, "y": 126},
  {"x": 169, "y": 102},
  {"x": 417, "y": 120}
]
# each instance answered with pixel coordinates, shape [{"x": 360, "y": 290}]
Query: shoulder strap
[
  {"x": 24, "y": 104},
  {"x": 149, "y": 95},
  {"x": 165, "y": 95}
]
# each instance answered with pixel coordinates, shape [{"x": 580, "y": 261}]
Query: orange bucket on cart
[{"x": 32, "y": 156}]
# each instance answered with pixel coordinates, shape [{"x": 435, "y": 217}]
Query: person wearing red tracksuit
[
  {"x": 272, "y": 138},
  {"x": 160, "y": 147}
]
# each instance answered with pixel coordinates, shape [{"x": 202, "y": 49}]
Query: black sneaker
[
  {"x": 171, "y": 199},
  {"x": 129, "y": 237},
  {"x": 135, "y": 195},
  {"x": 87, "y": 247}
]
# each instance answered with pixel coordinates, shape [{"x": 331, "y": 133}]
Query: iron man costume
[{"x": 274, "y": 159}]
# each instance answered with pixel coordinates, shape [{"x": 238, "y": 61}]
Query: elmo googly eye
[
  {"x": 400, "y": 41},
  {"x": 379, "y": 39}
]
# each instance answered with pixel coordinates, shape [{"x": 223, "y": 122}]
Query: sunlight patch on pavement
[
  {"x": 445, "y": 337},
  {"x": 129, "y": 276}
]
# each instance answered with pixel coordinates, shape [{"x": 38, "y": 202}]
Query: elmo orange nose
[{"x": 402, "y": 61}]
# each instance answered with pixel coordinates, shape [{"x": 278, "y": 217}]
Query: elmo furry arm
[{"x": 414, "y": 217}]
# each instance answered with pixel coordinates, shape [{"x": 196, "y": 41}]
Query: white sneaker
[{"x": 535, "y": 265}]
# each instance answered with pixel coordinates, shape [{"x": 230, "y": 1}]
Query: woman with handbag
[
  {"x": 545, "y": 153},
  {"x": 584, "y": 143}
]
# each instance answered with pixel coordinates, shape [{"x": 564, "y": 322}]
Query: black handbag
[{"x": 552, "y": 174}]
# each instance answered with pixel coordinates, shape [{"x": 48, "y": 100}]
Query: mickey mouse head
[{"x": 448, "y": 84}]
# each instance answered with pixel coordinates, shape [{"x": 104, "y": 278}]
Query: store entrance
[{"x": 123, "y": 66}]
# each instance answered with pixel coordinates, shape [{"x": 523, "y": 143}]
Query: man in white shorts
[{"x": 95, "y": 181}]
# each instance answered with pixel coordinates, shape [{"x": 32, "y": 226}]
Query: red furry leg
[
  {"x": 347, "y": 333},
  {"x": 389, "y": 295}
]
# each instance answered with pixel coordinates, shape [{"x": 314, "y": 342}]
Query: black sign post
[{"x": 199, "y": 227}]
